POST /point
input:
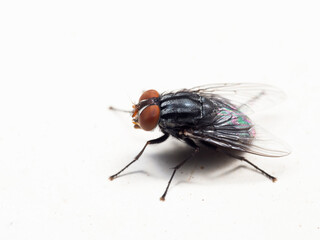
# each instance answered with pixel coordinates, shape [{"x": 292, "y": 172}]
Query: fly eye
[
  {"x": 149, "y": 117},
  {"x": 149, "y": 94}
]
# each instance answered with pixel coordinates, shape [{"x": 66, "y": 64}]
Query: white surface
[{"x": 62, "y": 63}]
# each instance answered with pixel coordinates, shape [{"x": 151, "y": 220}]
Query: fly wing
[
  {"x": 232, "y": 129},
  {"x": 254, "y": 140},
  {"x": 255, "y": 96}
]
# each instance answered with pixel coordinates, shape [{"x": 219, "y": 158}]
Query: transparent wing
[
  {"x": 232, "y": 129},
  {"x": 255, "y": 96},
  {"x": 258, "y": 142},
  {"x": 266, "y": 144}
]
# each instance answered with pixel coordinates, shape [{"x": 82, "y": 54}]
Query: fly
[{"x": 213, "y": 115}]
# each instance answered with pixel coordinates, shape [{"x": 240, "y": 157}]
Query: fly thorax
[{"x": 184, "y": 109}]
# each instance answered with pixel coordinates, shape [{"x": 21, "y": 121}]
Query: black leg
[
  {"x": 195, "y": 150},
  {"x": 154, "y": 141},
  {"x": 256, "y": 167}
]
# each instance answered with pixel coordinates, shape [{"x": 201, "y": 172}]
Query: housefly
[{"x": 213, "y": 115}]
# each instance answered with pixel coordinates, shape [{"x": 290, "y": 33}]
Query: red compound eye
[
  {"x": 149, "y": 94},
  {"x": 149, "y": 117}
]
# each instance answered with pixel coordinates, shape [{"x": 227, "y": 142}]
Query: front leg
[{"x": 154, "y": 141}]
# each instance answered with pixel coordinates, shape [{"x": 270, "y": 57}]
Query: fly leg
[
  {"x": 253, "y": 165},
  {"x": 154, "y": 141},
  {"x": 195, "y": 150}
]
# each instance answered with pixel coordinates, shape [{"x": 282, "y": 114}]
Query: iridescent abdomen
[{"x": 233, "y": 122}]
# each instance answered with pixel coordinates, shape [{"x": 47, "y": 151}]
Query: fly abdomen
[{"x": 184, "y": 109}]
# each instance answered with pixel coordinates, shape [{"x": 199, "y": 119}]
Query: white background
[{"x": 62, "y": 63}]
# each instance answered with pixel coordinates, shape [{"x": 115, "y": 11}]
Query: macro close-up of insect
[
  {"x": 159, "y": 120},
  {"x": 214, "y": 115}
]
